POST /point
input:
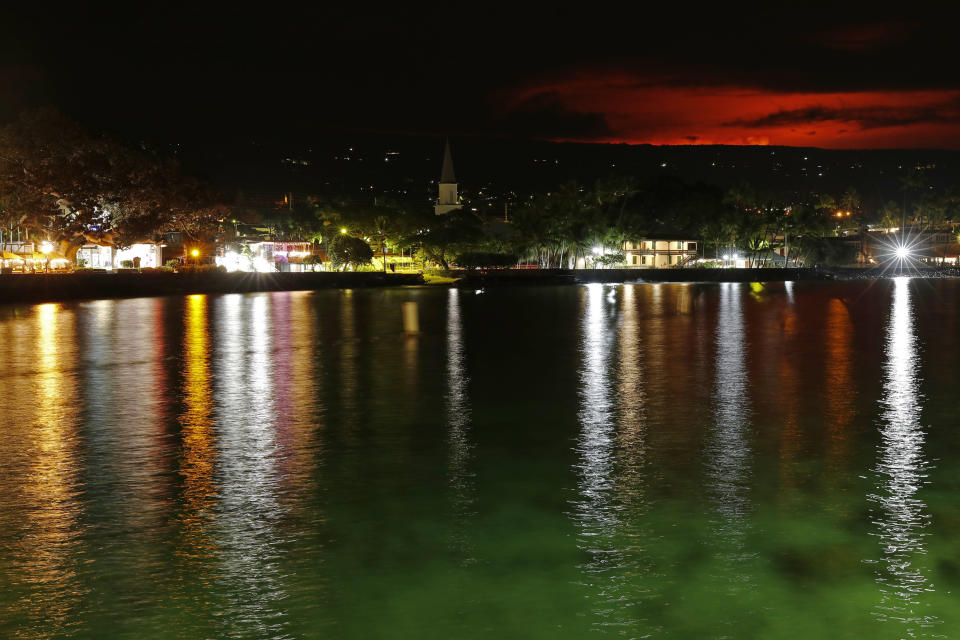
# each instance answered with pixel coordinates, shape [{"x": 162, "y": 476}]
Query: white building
[
  {"x": 447, "y": 199},
  {"x": 659, "y": 252},
  {"x": 97, "y": 256},
  {"x": 269, "y": 256}
]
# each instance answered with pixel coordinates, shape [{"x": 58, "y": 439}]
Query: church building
[{"x": 447, "y": 199}]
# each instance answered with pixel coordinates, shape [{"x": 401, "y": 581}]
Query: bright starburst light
[{"x": 899, "y": 252}]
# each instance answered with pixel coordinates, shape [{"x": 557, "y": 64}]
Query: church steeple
[
  {"x": 446, "y": 174},
  {"x": 447, "y": 198}
]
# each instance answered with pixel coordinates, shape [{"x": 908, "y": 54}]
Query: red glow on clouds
[{"x": 641, "y": 111}]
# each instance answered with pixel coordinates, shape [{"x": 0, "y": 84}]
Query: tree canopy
[{"x": 66, "y": 186}]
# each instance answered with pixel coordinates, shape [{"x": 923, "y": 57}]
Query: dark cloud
[
  {"x": 874, "y": 117},
  {"x": 286, "y": 70},
  {"x": 544, "y": 116},
  {"x": 866, "y": 37}
]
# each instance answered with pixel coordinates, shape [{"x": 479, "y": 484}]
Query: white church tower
[{"x": 447, "y": 199}]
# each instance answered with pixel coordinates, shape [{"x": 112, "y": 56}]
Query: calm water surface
[{"x": 675, "y": 461}]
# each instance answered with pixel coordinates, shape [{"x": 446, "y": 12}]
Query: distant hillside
[{"x": 406, "y": 165}]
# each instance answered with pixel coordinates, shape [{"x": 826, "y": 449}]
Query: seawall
[
  {"x": 496, "y": 277},
  {"x": 87, "y": 286}
]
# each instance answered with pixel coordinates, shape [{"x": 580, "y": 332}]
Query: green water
[{"x": 668, "y": 461}]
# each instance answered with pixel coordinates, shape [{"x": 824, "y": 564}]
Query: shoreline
[
  {"x": 41, "y": 288},
  {"x": 505, "y": 277},
  {"x": 54, "y": 287}
]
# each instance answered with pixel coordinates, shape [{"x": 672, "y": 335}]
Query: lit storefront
[
  {"x": 269, "y": 257},
  {"x": 98, "y": 256},
  {"x": 147, "y": 252},
  {"x": 95, "y": 256}
]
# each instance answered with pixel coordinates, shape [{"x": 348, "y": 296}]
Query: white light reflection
[
  {"x": 788, "y": 287},
  {"x": 901, "y": 471},
  {"x": 728, "y": 451},
  {"x": 246, "y": 532},
  {"x": 458, "y": 418},
  {"x": 596, "y": 509}
]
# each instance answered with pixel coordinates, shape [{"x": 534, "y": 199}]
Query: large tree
[{"x": 63, "y": 185}]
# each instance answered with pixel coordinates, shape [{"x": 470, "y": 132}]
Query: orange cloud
[{"x": 654, "y": 111}]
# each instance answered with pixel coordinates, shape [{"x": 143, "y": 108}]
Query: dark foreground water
[{"x": 677, "y": 461}]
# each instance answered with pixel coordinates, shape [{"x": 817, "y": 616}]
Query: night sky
[{"x": 863, "y": 75}]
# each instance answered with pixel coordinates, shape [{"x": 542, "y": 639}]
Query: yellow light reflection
[
  {"x": 47, "y": 554},
  {"x": 632, "y": 399},
  {"x": 839, "y": 387},
  {"x": 788, "y": 399},
  {"x": 349, "y": 367},
  {"x": 199, "y": 453}
]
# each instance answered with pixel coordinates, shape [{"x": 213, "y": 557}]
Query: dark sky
[{"x": 856, "y": 75}]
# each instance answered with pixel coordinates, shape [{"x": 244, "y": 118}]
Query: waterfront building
[
  {"x": 659, "y": 252},
  {"x": 95, "y": 256},
  {"x": 271, "y": 256},
  {"x": 447, "y": 197},
  {"x": 289, "y": 256},
  {"x": 29, "y": 257},
  {"x": 146, "y": 255}
]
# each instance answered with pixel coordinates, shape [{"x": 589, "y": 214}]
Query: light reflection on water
[
  {"x": 901, "y": 472},
  {"x": 462, "y": 489},
  {"x": 46, "y": 506},
  {"x": 728, "y": 450},
  {"x": 838, "y": 382},
  {"x": 596, "y": 509},
  {"x": 291, "y": 465},
  {"x": 244, "y": 531},
  {"x": 196, "y": 549}
]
